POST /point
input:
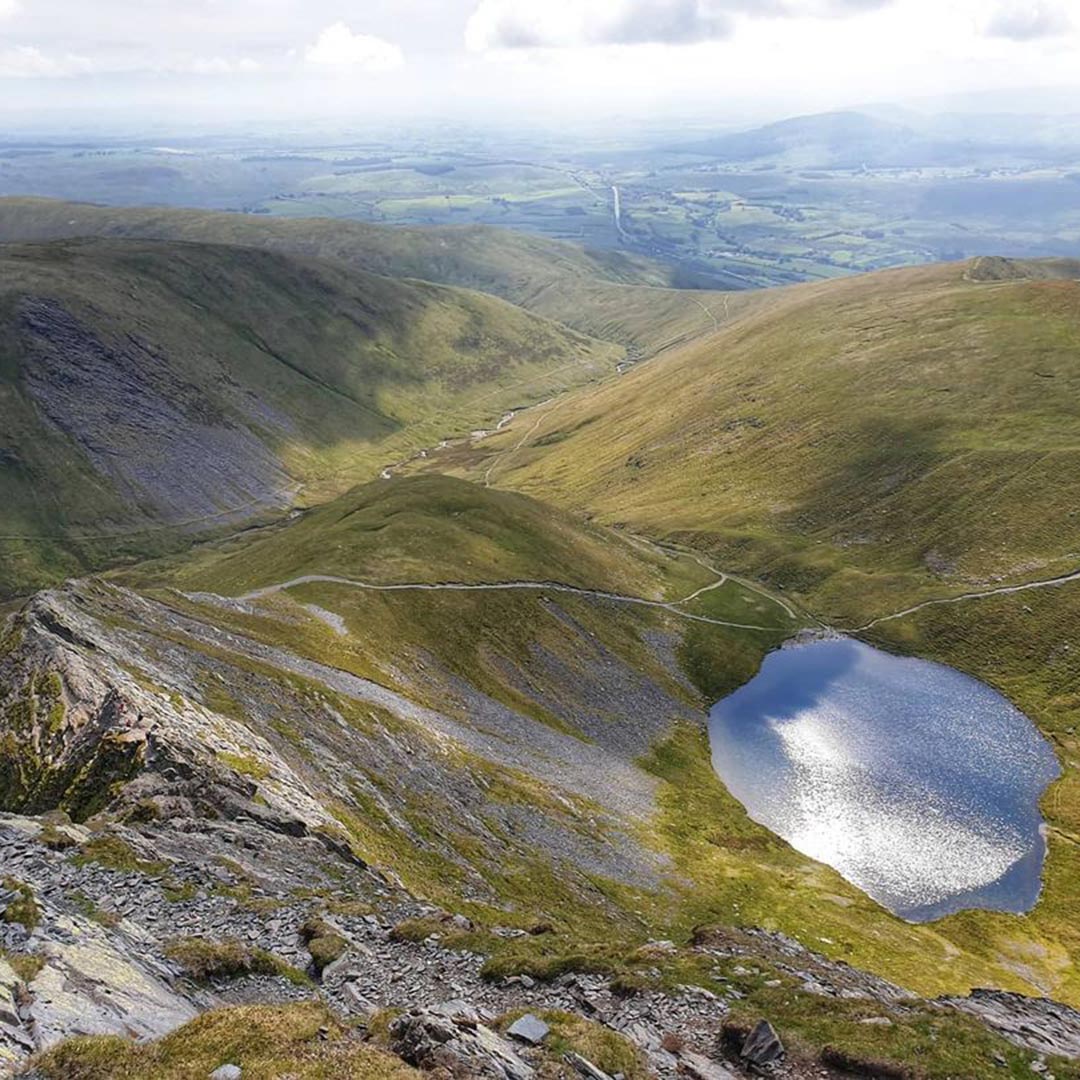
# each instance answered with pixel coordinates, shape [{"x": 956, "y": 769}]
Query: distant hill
[
  {"x": 153, "y": 390},
  {"x": 837, "y": 140},
  {"x": 621, "y": 297}
]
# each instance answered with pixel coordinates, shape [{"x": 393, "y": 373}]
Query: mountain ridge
[
  {"x": 152, "y": 386},
  {"x": 336, "y": 757},
  {"x": 593, "y": 292}
]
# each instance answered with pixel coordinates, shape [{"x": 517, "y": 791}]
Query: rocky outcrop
[
  {"x": 453, "y": 1037},
  {"x": 79, "y": 978},
  {"x": 1038, "y": 1024},
  {"x": 161, "y": 441},
  {"x": 77, "y": 727},
  {"x": 137, "y": 721}
]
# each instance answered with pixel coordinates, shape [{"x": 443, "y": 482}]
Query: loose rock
[
  {"x": 227, "y": 1072},
  {"x": 530, "y": 1029},
  {"x": 763, "y": 1045}
]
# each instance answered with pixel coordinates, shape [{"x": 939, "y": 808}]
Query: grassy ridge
[
  {"x": 438, "y": 529},
  {"x": 596, "y": 292}
]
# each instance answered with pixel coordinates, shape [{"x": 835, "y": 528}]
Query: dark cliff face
[
  {"x": 162, "y": 442},
  {"x": 70, "y": 740}
]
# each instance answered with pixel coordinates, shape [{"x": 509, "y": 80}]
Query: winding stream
[{"x": 919, "y": 784}]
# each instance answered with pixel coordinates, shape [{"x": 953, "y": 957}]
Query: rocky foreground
[
  {"x": 99, "y": 930},
  {"x": 181, "y": 847}
]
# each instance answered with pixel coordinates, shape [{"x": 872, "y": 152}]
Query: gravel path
[
  {"x": 506, "y": 586},
  {"x": 1003, "y": 590}
]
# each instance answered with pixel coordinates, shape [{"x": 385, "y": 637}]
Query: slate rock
[
  {"x": 763, "y": 1045},
  {"x": 699, "y": 1067},
  {"x": 586, "y": 1068},
  {"x": 530, "y": 1029},
  {"x": 450, "y": 1037},
  {"x": 358, "y": 1004},
  {"x": 227, "y": 1072}
]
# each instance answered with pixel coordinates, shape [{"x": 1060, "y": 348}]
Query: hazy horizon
[{"x": 274, "y": 64}]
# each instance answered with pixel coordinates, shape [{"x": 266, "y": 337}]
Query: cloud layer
[
  {"x": 28, "y": 62},
  {"x": 531, "y": 24},
  {"x": 1030, "y": 21},
  {"x": 562, "y": 61}
]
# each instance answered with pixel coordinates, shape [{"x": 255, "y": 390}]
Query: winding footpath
[
  {"x": 501, "y": 456},
  {"x": 1003, "y": 590},
  {"x": 673, "y": 606},
  {"x": 509, "y": 586}
]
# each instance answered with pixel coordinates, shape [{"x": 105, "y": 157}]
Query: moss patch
[
  {"x": 117, "y": 854},
  {"x": 26, "y": 965},
  {"x": 323, "y": 942},
  {"x": 204, "y": 960},
  {"x": 23, "y": 909},
  {"x": 265, "y": 1042}
]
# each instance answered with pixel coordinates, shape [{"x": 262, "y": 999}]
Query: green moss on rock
[
  {"x": 323, "y": 942},
  {"x": 204, "y": 960},
  {"x": 23, "y": 909}
]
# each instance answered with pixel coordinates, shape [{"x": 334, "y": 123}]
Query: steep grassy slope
[
  {"x": 619, "y": 297},
  {"x": 154, "y": 388},
  {"x": 437, "y": 529},
  {"x": 863, "y": 443}
]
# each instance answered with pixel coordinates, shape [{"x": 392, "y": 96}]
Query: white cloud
[
  {"x": 529, "y": 24},
  {"x": 28, "y": 62},
  {"x": 8, "y": 8},
  {"x": 339, "y": 46},
  {"x": 1029, "y": 21},
  {"x": 217, "y": 65}
]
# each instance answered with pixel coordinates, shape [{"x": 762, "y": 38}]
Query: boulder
[
  {"x": 763, "y": 1046},
  {"x": 227, "y": 1072}
]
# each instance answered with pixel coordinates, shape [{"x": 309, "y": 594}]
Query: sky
[{"x": 556, "y": 61}]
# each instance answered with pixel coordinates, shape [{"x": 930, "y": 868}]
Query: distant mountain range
[{"x": 894, "y": 139}]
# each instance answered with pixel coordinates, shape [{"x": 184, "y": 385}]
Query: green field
[{"x": 810, "y": 198}]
